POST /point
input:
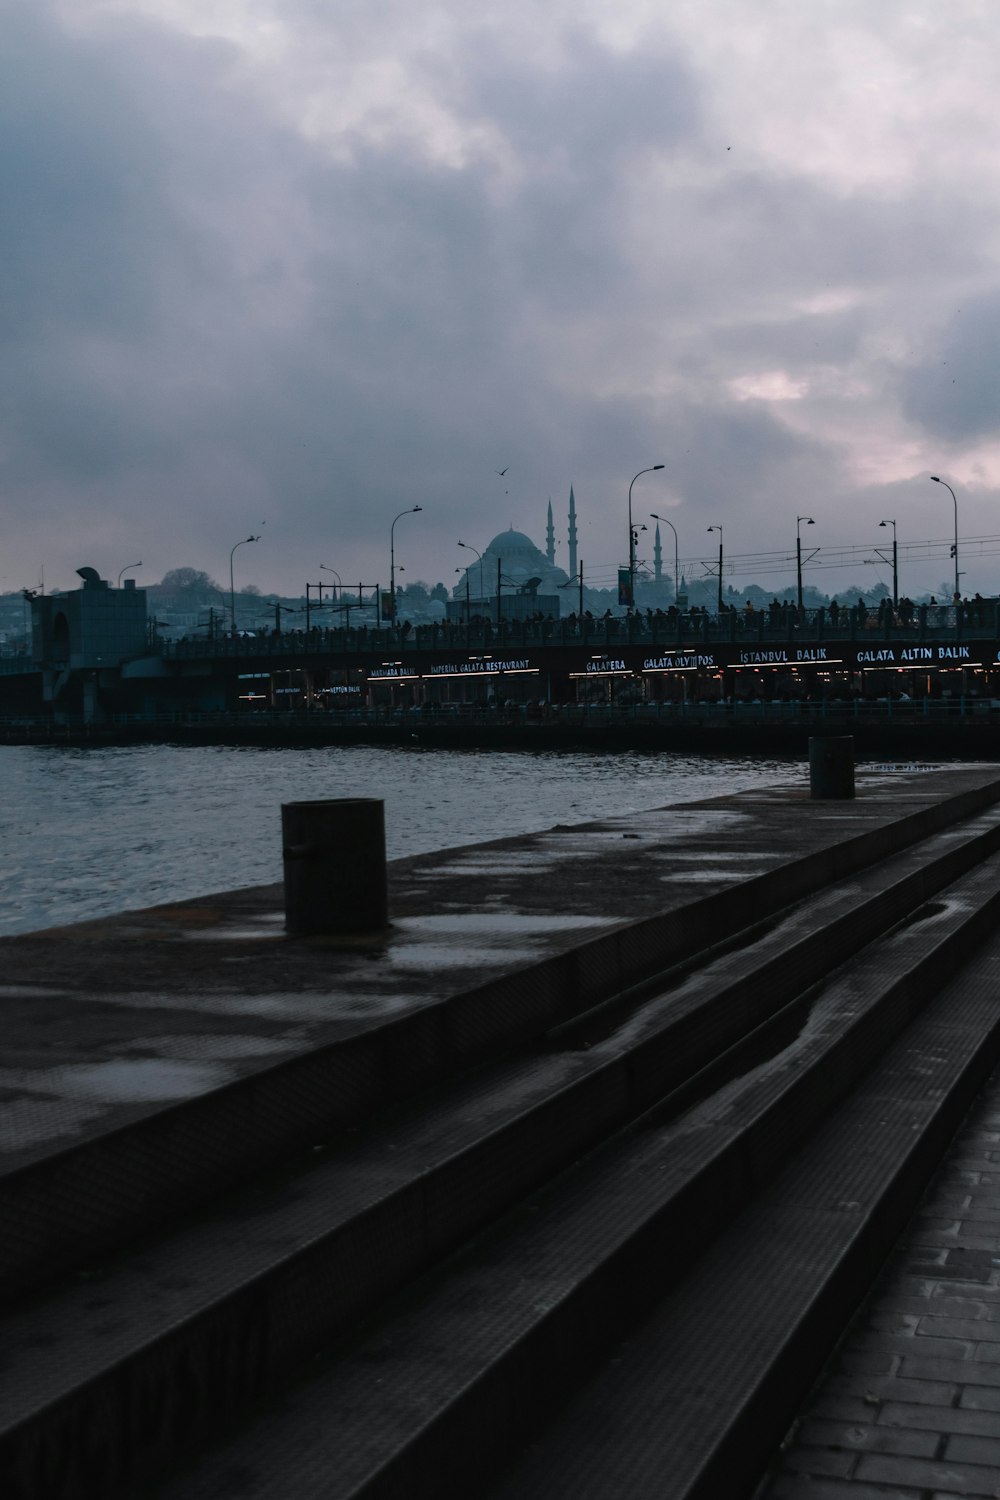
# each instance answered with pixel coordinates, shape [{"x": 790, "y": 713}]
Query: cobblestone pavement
[{"x": 910, "y": 1407}]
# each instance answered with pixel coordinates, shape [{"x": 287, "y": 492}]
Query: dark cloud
[
  {"x": 78, "y": 170},
  {"x": 212, "y": 317},
  {"x": 954, "y": 392}
]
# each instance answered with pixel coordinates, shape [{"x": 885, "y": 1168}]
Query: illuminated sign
[
  {"x": 782, "y": 656},
  {"x": 480, "y": 666},
  {"x": 890, "y": 655},
  {"x": 607, "y": 664},
  {"x": 692, "y": 661},
  {"x": 252, "y": 676},
  {"x": 391, "y": 673}
]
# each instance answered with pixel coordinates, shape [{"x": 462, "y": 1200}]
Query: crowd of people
[{"x": 781, "y": 618}]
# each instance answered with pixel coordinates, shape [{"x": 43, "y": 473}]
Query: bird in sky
[{"x": 502, "y": 472}]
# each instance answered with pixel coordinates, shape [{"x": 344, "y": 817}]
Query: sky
[{"x": 289, "y": 268}]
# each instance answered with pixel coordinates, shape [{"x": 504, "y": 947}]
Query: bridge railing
[{"x": 660, "y": 628}]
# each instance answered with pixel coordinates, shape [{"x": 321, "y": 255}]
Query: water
[{"x": 88, "y": 832}]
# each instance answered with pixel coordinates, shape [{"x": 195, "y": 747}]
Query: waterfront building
[{"x": 80, "y": 639}]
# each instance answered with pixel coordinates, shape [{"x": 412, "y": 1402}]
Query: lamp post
[
  {"x": 340, "y": 584},
  {"x": 333, "y": 590},
  {"x": 127, "y": 569},
  {"x": 895, "y": 569},
  {"x": 719, "y": 530},
  {"x": 468, "y": 601},
  {"x": 502, "y": 579},
  {"x": 470, "y": 548},
  {"x": 232, "y": 586},
  {"x": 798, "y": 550},
  {"x": 631, "y": 536},
  {"x": 577, "y": 583},
  {"x": 324, "y": 569},
  {"x": 673, "y": 528},
  {"x": 954, "y": 550},
  {"x": 333, "y": 587},
  {"x": 410, "y": 511}
]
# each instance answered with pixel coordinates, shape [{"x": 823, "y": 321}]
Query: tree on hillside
[
  {"x": 416, "y": 592},
  {"x": 187, "y": 580}
]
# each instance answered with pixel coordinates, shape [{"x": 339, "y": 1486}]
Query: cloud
[
  {"x": 316, "y": 264},
  {"x": 954, "y": 391}
]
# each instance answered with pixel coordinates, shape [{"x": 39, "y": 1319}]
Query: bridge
[{"x": 101, "y": 668}]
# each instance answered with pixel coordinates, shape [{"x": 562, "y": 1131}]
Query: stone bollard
[
  {"x": 334, "y": 860},
  {"x": 831, "y": 766}
]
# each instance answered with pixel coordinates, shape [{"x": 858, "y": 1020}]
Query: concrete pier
[{"x": 591, "y": 1052}]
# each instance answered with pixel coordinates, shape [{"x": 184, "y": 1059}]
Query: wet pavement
[{"x": 105, "y": 1021}]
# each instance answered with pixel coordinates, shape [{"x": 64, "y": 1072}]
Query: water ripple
[{"x": 88, "y": 832}]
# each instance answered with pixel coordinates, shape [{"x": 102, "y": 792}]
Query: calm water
[{"x": 88, "y": 832}]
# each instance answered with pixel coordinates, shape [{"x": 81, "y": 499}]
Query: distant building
[
  {"x": 86, "y": 635},
  {"x": 515, "y": 572}
]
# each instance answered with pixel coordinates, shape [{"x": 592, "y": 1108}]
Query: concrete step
[
  {"x": 464, "y": 1367},
  {"x": 440, "y": 1170},
  {"x": 459, "y": 1367},
  {"x": 72, "y": 1205},
  {"x": 696, "y": 1401}
]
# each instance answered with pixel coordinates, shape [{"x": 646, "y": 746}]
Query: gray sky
[{"x": 307, "y": 264}]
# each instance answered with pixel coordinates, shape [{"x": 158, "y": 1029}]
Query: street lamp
[
  {"x": 232, "y": 586},
  {"x": 954, "y": 550},
  {"x": 673, "y": 528},
  {"x": 127, "y": 569},
  {"x": 502, "y": 579},
  {"x": 631, "y": 536},
  {"x": 412, "y": 510},
  {"x": 719, "y": 530},
  {"x": 470, "y": 548},
  {"x": 324, "y": 569},
  {"x": 468, "y": 601},
  {"x": 895, "y": 569},
  {"x": 798, "y": 549}
]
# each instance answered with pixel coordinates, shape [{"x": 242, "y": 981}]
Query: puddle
[
  {"x": 273, "y": 1006},
  {"x": 692, "y": 820},
  {"x": 501, "y": 923},
  {"x": 723, "y": 856},
  {"x": 32, "y": 1122},
  {"x": 497, "y": 870},
  {"x": 927, "y": 913},
  {"x": 31, "y": 992},
  {"x": 223, "y": 934},
  {"x": 208, "y": 1048},
  {"x": 460, "y": 956},
  {"x": 141, "y": 1081}
]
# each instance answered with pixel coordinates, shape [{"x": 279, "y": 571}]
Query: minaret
[
  {"x": 550, "y": 540},
  {"x": 572, "y": 534},
  {"x": 657, "y": 557}
]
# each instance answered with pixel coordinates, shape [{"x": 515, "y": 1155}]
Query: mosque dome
[
  {"x": 511, "y": 543},
  {"x": 521, "y": 562}
]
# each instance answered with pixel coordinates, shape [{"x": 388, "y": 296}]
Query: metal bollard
[
  {"x": 831, "y": 766},
  {"x": 334, "y": 862}
]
